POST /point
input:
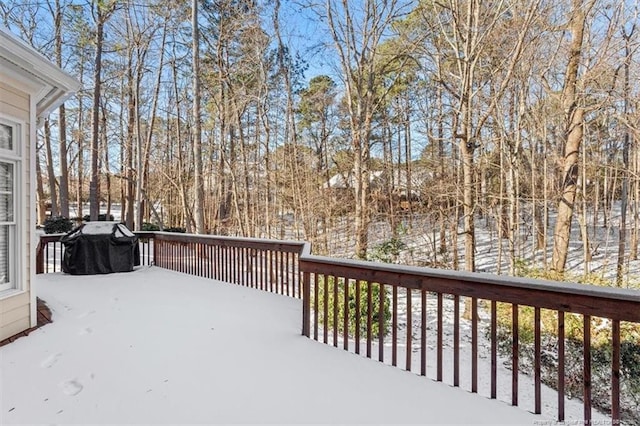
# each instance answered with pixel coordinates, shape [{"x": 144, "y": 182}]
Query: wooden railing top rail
[
  {"x": 613, "y": 303},
  {"x": 300, "y": 247}
]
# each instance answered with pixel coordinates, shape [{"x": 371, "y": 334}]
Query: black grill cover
[{"x": 100, "y": 248}]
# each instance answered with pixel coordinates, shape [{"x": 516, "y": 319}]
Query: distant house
[
  {"x": 30, "y": 88},
  {"x": 402, "y": 193}
]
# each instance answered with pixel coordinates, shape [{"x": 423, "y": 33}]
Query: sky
[{"x": 156, "y": 346}]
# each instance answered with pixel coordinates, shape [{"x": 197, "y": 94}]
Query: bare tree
[
  {"x": 627, "y": 34},
  {"x": 463, "y": 33},
  {"x": 57, "y": 13},
  {"x": 357, "y": 34},
  {"x": 574, "y": 115},
  {"x": 102, "y": 11},
  {"x": 198, "y": 185}
]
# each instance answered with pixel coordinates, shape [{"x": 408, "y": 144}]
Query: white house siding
[{"x": 15, "y": 308}]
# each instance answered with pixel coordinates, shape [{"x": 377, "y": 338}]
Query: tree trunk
[
  {"x": 105, "y": 146},
  {"x": 143, "y": 174},
  {"x": 622, "y": 229},
  {"x": 574, "y": 114},
  {"x": 62, "y": 120},
  {"x": 362, "y": 193},
  {"x": 633, "y": 252},
  {"x": 80, "y": 142},
  {"x": 198, "y": 186},
  {"x": 468, "y": 207},
  {"x": 129, "y": 156},
  {"x": 94, "y": 187}
]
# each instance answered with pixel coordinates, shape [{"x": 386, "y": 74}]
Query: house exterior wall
[{"x": 17, "y": 306}]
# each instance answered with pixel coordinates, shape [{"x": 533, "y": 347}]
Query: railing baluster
[
  {"x": 394, "y": 326},
  {"x": 287, "y": 275},
  {"x": 561, "y": 355},
  {"x": 273, "y": 274},
  {"x": 233, "y": 268},
  {"x": 263, "y": 271},
  {"x": 456, "y": 340},
  {"x": 325, "y": 317},
  {"x": 345, "y": 325},
  {"x": 537, "y": 362},
  {"x": 55, "y": 253},
  {"x": 245, "y": 280},
  {"x": 335, "y": 311},
  {"x": 409, "y": 343},
  {"x": 474, "y": 345},
  {"x": 494, "y": 349},
  {"x": 315, "y": 306},
  {"x": 423, "y": 332},
  {"x": 250, "y": 267},
  {"x": 514, "y": 354},
  {"x": 357, "y": 313},
  {"x": 615, "y": 372},
  {"x": 229, "y": 259},
  {"x": 440, "y": 341},
  {"x": 586, "y": 373},
  {"x": 381, "y": 303},
  {"x": 369, "y": 317},
  {"x": 238, "y": 264},
  {"x": 227, "y": 263},
  {"x": 282, "y": 274}
]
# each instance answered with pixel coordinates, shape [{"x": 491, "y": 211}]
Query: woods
[{"x": 352, "y": 124}]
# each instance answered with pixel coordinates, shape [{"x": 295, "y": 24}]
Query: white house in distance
[{"x": 30, "y": 88}]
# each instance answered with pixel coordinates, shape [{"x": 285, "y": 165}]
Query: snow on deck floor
[{"x": 155, "y": 346}]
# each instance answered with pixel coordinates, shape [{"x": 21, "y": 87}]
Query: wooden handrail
[
  {"x": 607, "y": 302},
  {"x": 324, "y": 278}
]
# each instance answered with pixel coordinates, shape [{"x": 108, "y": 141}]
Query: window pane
[
  {"x": 6, "y": 192},
  {"x": 6, "y": 177},
  {"x": 4, "y": 254},
  {"x": 6, "y": 137},
  {"x": 6, "y": 208}
]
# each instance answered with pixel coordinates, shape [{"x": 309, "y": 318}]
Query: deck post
[
  {"x": 40, "y": 257},
  {"x": 306, "y": 304},
  {"x": 155, "y": 251}
]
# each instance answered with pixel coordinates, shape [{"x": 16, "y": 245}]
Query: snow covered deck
[{"x": 156, "y": 346}]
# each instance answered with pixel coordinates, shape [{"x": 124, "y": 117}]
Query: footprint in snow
[
  {"x": 49, "y": 361},
  {"x": 86, "y": 330},
  {"x": 71, "y": 387}
]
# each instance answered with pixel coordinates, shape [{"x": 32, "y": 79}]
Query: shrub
[
  {"x": 388, "y": 251},
  {"x": 146, "y": 226},
  {"x": 102, "y": 217},
  {"x": 57, "y": 225},
  {"x": 329, "y": 284},
  {"x": 175, "y": 229}
]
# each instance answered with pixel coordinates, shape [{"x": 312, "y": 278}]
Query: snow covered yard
[{"x": 156, "y": 346}]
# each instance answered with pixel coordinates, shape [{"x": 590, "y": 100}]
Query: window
[{"x": 9, "y": 176}]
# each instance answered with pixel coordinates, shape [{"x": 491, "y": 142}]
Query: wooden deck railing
[
  {"x": 408, "y": 312},
  {"x": 339, "y": 308},
  {"x": 270, "y": 265}
]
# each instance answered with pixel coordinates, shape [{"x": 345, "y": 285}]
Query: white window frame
[{"x": 15, "y": 157}]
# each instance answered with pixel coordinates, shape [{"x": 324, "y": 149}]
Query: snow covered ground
[{"x": 155, "y": 346}]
